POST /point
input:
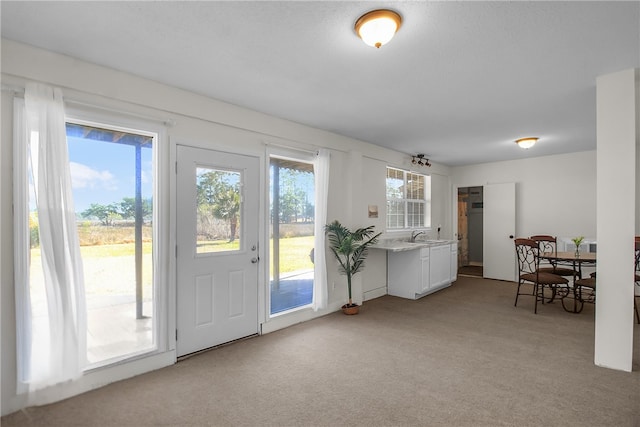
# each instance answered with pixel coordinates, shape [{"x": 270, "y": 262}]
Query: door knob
[{"x": 254, "y": 260}]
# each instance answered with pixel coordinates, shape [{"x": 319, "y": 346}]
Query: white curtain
[
  {"x": 57, "y": 353},
  {"x": 321, "y": 166}
]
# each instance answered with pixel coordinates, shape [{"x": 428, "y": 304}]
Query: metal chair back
[{"x": 527, "y": 251}]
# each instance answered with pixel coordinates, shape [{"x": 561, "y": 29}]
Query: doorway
[
  {"x": 217, "y": 252},
  {"x": 470, "y": 231}
]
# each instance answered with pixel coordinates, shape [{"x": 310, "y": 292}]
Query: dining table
[{"x": 576, "y": 260}]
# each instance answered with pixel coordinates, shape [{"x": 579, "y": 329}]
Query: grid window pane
[
  {"x": 408, "y": 199},
  {"x": 415, "y": 214},
  {"x": 395, "y": 214},
  {"x": 395, "y": 184},
  {"x": 415, "y": 186}
]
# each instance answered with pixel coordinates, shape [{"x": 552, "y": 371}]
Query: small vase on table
[{"x": 578, "y": 241}]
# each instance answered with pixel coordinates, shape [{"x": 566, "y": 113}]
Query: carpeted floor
[{"x": 464, "y": 356}]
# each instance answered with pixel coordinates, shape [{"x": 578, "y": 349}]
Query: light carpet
[{"x": 464, "y": 356}]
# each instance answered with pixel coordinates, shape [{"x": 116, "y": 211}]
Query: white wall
[
  {"x": 374, "y": 277},
  {"x": 195, "y": 120},
  {"x": 555, "y": 195}
]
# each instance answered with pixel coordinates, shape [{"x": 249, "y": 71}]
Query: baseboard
[
  {"x": 374, "y": 293},
  {"x": 299, "y": 316},
  {"x": 93, "y": 380}
]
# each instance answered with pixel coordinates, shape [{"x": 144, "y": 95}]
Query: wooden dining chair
[{"x": 527, "y": 251}]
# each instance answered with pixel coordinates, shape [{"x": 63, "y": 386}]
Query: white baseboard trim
[
  {"x": 374, "y": 293},
  {"x": 290, "y": 319},
  {"x": 93, "y": 380}
]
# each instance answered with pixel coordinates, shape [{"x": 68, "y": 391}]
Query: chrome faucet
[{"x": 415, "y": 234}]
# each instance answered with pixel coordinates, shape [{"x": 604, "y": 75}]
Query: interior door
[
  {"x": 499, "y": 219},
  {"x": 217, "y": 256}
]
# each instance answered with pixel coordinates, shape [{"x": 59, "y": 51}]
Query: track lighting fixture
[{"x": 420, "y": 160}]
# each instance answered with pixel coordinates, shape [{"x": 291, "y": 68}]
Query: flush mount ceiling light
[
  {"x": 527, "y": 142},
  {"x": 378, "y": 27}
]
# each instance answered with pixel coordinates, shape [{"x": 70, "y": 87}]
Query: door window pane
[
  {"x": 292, "y": 198},
  {"x": 218, "y": 210}
]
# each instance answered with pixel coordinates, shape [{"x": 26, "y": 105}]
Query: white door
[
  {"x": 499, "y": 227},
  {"x": 217, "y": 236}
]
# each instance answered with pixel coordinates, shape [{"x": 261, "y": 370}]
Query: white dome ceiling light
[
  {"x": 378, "y": 27},
  {"x": 527, "y": 142}
]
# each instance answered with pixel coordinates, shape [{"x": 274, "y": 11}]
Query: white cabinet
[
  {"x": 425, "y": 266},
  {"x": 440, "y": 272},
  {"x": 454, "y": 261},
  {"x": 408, "y": 272},
  {"x": 419, "y": 272}
]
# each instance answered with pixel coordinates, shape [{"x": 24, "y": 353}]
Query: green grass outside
[
  {"x": 294, "y": 252},
  {"x": 114, "y": 250}
]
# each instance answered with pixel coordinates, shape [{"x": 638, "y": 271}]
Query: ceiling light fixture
[
  {"x": 421, "y": 160},
  {"x": 378, "y": 27},
  {"x": 527, "y": 142}
]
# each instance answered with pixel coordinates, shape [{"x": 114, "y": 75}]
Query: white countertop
[{"x": 397, "y": 245}]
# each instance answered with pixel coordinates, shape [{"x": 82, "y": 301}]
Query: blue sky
[{"x": 104, "y": 172}]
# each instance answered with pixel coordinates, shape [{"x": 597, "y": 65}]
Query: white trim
[
  {"x": 103, "y": 117},
  {"x": 425, "y": 201},
  {"x": 95, "y": 379},
  {"x": 21, "y": 232},
  {"x": 287, "y": 153},
  {"x": 163, "y": 353},
  {"x": 374, "y": 293},
  {"x": 299, "y": 316}
]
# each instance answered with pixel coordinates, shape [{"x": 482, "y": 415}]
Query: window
[
  {"x": 218, "y": 211},
  {"x": 292, "y": 240},
  {"x": 112, "y": 179},
  {"x": 408, "y": 200}
]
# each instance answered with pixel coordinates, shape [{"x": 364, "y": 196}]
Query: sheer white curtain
[
  {"x": 321, "y": 166},
  {"x": 58, "y": 353}
]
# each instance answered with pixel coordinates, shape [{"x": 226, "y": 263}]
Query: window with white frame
[
  {"x": 113, "y": 183},
  {"x": 408, "y": 200}
]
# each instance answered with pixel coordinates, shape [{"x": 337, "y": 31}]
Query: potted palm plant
[{"x": 350, "y": 249}]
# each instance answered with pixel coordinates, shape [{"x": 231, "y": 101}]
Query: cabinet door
[
  {"x": 440, "y": 266},
  {"x": 425, "y": 279},
  {"x": 454, "y": 262}
]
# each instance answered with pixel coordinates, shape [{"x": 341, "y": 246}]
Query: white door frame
[{"x": 454, "y": 212}]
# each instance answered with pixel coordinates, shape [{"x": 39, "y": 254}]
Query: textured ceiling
[{"x": 459, "y": 82}]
